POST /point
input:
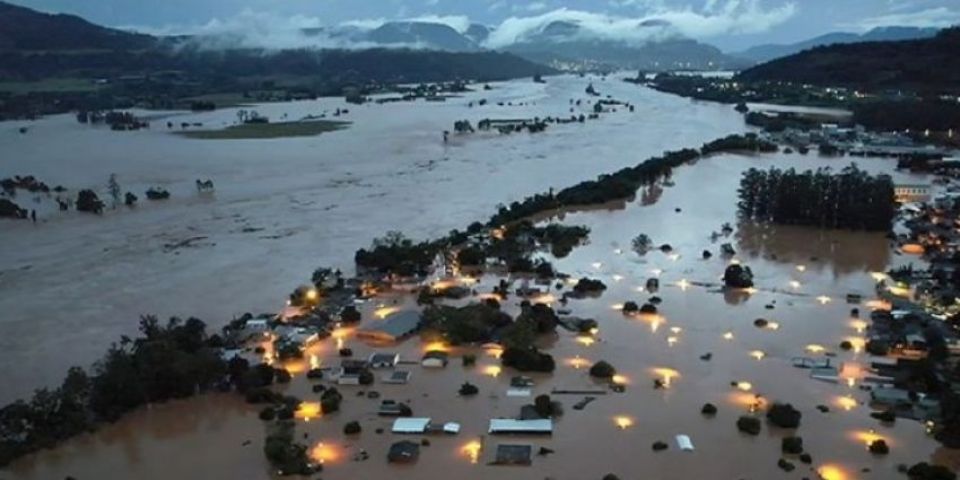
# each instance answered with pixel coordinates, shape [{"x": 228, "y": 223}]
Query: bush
[
  {"x": 544, "y": 406},
  {"x": 708, "y": 409},
  {"x": 602, "y": 369},
  {"x": 925, "y": 471},
  {"x": 469, "y": 360},
  {"x": 352, "y": 428},
  {"x": 88, "y": 201},
  {"x": 366, "y": 377},
  {"x": 268, "y": 414},
  {"x": 527, "y": 360},
  {"x": 879, "y": 447},
  {"x": 738, "y": 276},
  {"x": 630, "y": 307},
  {"x": 648, "y": 309},
  {"x": 792, "y": 445},
  {"x": 330, "y": 401},
  {"x": 350, "y": 315},
  {"x": 748, "y": 425},
  {"x": 784, "y": 415},
  {"x": 588, "y": 285},
  {"x": 468, "y": 389}
]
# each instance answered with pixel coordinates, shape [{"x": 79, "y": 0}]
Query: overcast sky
[{"x": 729, "y": 24}]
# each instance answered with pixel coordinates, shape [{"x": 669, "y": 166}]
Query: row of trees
[
  {"x": 851, "y": 199},
  {"x": 169, "y": 361}
]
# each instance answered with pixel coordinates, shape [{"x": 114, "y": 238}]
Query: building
[
  {"x": 502, "y": 426},
  {"x": 403, "y": 452},
  {"x": 911, "y": 192},
  {"x": 410, "y": 425},
  {"x": 396, "y": 377},
  {"x": 394, "y": 328},
  {"x": 383, "y": 360},
  {"x": 351, "y": 371},
  {"x": 435, "y": 359},
  {"x": 510, "y": 454}
]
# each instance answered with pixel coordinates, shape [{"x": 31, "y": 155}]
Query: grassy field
[
  {"x": 254, "y": 131},
  {"x": 50, "y": 85}
]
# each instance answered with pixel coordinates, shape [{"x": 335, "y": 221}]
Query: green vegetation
[
  {"x": 50, "y": 85},
  {"x": 850, "y": 199},
  {"x": 251, "y": 131},
  {"x": 167, "y": 362},
  {"x": 474, "y": 323},
  {"x": 284, "y": 454}
]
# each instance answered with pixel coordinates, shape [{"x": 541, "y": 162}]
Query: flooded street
[{"x": 803, "y": 273}]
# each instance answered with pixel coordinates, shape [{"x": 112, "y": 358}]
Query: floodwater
[
  {"x": 693, "y": 320},
  {"x": 74, "y": 283}
]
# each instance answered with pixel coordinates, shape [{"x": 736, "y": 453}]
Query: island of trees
[{"x": 849, "y": 199}]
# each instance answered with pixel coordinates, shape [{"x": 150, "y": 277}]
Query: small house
[
  {"x": 509, "y": 454},
  {"x": 502, "y": 426},
  {"x": 383, "y": 360},
  {"x": 410, "y": 425},
  {"x": 403, "y": 452},
  {"x": 394, "y": 328},
  {"x": 396, "y": 377},
  {"x": 350, "y": 372},
  {"x": 435, "y": 359}
]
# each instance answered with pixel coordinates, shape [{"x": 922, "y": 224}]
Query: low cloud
[
  {"x": 716, "y": 18},
  {"x": 939, "y": 17}
]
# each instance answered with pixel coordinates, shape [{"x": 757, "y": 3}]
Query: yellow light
[
  {"x": 878, "y": 276},
  {"x": 314, "y": 362},
  {"x": 795, "y": 284},
  {"x": 623, "y": 422},
  {"x": 494, "y": 351},
  {"x": 618, "y": 251},
  {"x": 322, "y": 453},
  {"x": 436, "y": 346},
  {"x": 847, "y": 403},
  {"x": 616, "y": 306},
  {"x": 858, "y": 343},
  {"x": 617, "y": 278},
  {"x": 585, "y": 340},
  {"x": 312, "y": 294},
  {"x": 676, "y": 329},
  {"x": 683, "y": 284},
  {"x": 772, "y": 326},
  {"x": 868, "y": 436},
  {"x": 823, "y": 299},
  {"x": 572, "y": 281},
  {"x": 728, "y": 336},
  {"x": 654, "y": 324},
  {"x": 640, "y": 289},
  {"x": 307, "y": 410},
  {"x": 597, "y": 265},
  {"x": 671, "y": 340},
  {"x": 492, "y": 370},
  {"x": 745, "y": 386},
  {"x": 757, "y": 354},
  {"x": 544, "y": 298},
  {"x": 594, "y": 331},
  {"x": 656, "y": 272},
  {"x": 619, "y": 379},
  {"x": 666, "y": 375},
  {"x": 385, "y": 312},
  {"x": 674, "y": 257},
  {"x": 801, "y": 268},
  {"x": 851, "y": 382},
  {"x": 577, "y": 362},
  {"x": 832, "y": 472},
  {"x": 858, "y": 325},
  {"x": 472, "y": 450},
  {"x": 734, "y": 261},
  {"x": 750, "y": 290},
  {"x": 814, "y": 348}
]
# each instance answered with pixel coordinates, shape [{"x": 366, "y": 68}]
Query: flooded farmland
[
  {"x": 329, "y": 195},
  {"x": 803, "y": 274}
]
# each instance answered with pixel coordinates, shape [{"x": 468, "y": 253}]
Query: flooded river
[{"x": 74, "y": 283}]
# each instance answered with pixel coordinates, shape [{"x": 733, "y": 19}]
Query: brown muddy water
[
  {"x": 805, "y": 273},
  {"x": 74, "y": 283}
]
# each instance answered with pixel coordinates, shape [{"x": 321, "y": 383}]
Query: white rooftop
[{"x": 410, "y": 425}]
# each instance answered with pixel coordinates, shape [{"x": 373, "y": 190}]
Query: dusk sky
[{"x": 729, "y": 24}]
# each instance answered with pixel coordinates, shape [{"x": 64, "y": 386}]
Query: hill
[
  {"x": 922, "y": 66},
  {"x": 435, "y": 36},
  {"x": 767, "y": 52},
  {"x": 567, "y": 45},
  {"x": 25, "y": 29}
]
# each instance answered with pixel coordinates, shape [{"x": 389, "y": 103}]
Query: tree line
[{"x": 850, "y": 199}]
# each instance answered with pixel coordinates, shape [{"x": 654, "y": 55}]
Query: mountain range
[
  {"x": 921, "y": 65},
  {"x": 767, "y": 52}
]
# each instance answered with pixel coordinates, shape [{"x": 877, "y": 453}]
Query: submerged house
[
  {"x": 505, "y": 426},
  {"x": 394, "y": 328},
  {"x": 435, "y": 359},
  {"x": 350, "y": 372},
  {"x": 383, "y": 360}
]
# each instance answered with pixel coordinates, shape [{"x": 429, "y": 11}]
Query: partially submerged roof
[
  {"x": 537, "y": 426},
  {"x": 397, "y": 325},
  {"x": 508, "y": 454},
  {"x": 405, "y": 451},
  {"x": 410, "y": 425}
]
